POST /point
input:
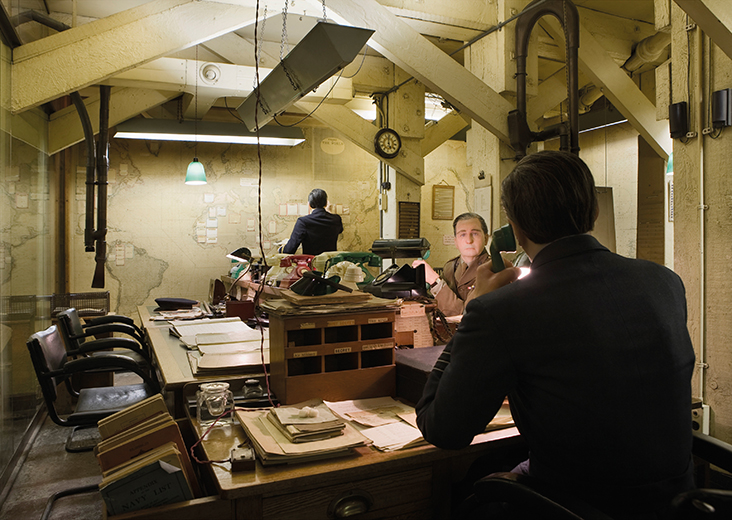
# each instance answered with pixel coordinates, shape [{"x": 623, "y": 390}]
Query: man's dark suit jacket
[
  {"x": 594, "y": 354},
  {"x": 317, "y": 232}
]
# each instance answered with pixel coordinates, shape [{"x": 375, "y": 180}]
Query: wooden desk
[
  {"x": 414, "y": 483},
  {"x": 171, "y": 359}
]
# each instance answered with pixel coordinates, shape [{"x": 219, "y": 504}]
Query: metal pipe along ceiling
[{"x": 520, "y": 134}]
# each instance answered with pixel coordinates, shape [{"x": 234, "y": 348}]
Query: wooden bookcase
[{"x": 336, "y": 356}]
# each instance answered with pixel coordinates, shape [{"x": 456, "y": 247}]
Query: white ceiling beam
[
  {"x": 237, "y": 50},
  {"x": 361, "y": 132},
  {"x": 440, "y": 131},
  {"x": 115, "y": 44},
  {"x": 600, "y": 67},
  {"x": 64, "y": 126},
  {"x": 414, "y": 54},
  {"x": 715, "y": 19},
  {"x": 222, "y": 80}
]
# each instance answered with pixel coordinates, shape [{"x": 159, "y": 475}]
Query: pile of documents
[
  {"x": 390, "y": 425},
  {"x": 222, "y": 345},
  {"x": 306, "y": 422},
  {"x": 273, "y": 446}
]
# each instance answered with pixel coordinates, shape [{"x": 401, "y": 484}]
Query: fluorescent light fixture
[
  {"x": 433, "y": 108},
  {"x": 206, "y": 132},
  {"x": 603, "y": 126},
  {"x": 323, "y": 51}
]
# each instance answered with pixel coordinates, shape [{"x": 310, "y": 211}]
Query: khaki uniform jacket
[{"x": 458, "y": 281}]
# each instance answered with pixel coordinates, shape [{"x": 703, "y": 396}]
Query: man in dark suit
[
  {"x": 318, "y": 231},
  {"x": 591, "y": 348}
]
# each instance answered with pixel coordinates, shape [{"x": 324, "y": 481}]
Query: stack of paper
[
  {"x": 306, "y": 422},
  {"x": 388, "y": 423},
  {"x": 392, "y": 425},
  {"x": 273, "y": 447},
  {"x": 223, "y": 345}
]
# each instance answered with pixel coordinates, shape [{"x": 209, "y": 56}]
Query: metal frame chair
[{"x": 54, "y": 365}]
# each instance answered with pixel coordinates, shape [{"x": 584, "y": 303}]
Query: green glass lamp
[{"x": 195, "y": 175}]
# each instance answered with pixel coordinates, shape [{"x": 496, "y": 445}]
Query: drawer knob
[{"x": 349, "y": 504}]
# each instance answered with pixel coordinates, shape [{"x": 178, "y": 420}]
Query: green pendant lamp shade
[{"x": 195, "y": 175}]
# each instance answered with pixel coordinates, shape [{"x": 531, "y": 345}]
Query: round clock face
[{"x": 387, "y": 143}]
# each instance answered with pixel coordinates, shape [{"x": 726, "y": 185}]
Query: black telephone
[{"x": 503, "y": 240}]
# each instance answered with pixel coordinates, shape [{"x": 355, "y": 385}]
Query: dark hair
[
  {"x": 550, "y": 195},
  {"x": 318, "y": 198},
  {"x": 468, "y": 216}
]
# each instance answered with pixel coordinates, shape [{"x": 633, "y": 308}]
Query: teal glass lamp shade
[{"x": 195, "y": 175}]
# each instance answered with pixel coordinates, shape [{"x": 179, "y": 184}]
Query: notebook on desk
[{"x": 227, "y": 364}]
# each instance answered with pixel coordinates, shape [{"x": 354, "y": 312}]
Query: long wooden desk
[
  {"x": 413, "y": 483},
  {"x": 171, "y": 358}
]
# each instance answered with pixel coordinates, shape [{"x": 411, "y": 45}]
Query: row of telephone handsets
[{"x": 394, "y": 282}]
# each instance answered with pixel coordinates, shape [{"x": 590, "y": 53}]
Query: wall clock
[{"x": 387, "y": 143}]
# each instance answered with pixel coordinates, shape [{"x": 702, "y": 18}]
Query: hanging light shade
[{"x": 195, "y": 175}]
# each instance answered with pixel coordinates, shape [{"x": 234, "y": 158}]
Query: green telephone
[{"x": 503, "y": 240}]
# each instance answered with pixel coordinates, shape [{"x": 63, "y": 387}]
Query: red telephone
[{"x": 299, "y": 263}]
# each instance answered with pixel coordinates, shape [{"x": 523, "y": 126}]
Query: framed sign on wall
[{"x": 443, "y": 202}]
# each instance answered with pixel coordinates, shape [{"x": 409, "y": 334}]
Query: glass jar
[
  {"x": 252, "y": 389},
  {"x": 213, "y": 399}
]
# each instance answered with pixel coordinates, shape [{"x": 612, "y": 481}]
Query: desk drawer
[{"x": 404, "y": 495}]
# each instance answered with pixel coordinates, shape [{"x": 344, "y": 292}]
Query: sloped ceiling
[{"x": 147, "y": 50}]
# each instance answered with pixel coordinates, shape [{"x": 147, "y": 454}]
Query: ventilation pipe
[
  {"x": 647, "y": 50},
  {"x": 518, "y": 129},
  {"x": 90, "y": 165},
  {"x": 98, "y": 161},
  {"x": 100, "y": 233}
]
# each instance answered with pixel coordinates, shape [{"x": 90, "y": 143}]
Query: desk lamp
[
  {"x": 244, "y": 256},
  {"x": 243, "y": 309}
]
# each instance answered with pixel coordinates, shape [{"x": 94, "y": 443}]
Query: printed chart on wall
[{"x": 484, "y": 204}]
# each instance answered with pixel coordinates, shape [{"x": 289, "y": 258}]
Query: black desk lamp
[{"x": 244, "y": 256}]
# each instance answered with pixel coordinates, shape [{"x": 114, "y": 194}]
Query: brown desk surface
[
  {"x": 366, "y": 462},
  {"x": 172, "y": 359}
]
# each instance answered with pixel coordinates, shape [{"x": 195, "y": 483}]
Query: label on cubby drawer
[
  {"x": 341, "y": 323},
  {"x": 377, "y": 346},
  {"x": 378, "y": 320},
  {"x": 310, "y": 353},
  {"x": 342, "y": 350}
]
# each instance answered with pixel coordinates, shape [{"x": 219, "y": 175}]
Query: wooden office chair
[
  {"x": 517, "y": 497},
  {"x": 54, "y": 366},
  {"x": 77, "y": 336}
]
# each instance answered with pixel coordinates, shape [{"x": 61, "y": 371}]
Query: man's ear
[{"x": 518, "y": 233}]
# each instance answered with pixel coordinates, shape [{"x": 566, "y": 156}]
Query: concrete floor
[{"x": 47, "y": 469}]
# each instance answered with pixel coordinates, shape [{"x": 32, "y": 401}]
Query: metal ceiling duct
[{"x": 325, "y": 50}]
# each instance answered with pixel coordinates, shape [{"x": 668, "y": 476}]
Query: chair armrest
[
  {"x": 109, "y": 363},
  {"x": 111, "y": 343},
  {"x": 712, "y": 450},
  {"x": 108, "y": 328},
  {"x": 111, "y": 318},
  {"x": 534, "y": 496}
]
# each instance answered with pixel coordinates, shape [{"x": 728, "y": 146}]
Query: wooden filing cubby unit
[{"x": 335, "y": 357}]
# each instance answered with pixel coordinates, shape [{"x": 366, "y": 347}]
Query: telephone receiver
[
  {"x": 297, "y": 260},
  {"x": 503, "y": 240}
]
